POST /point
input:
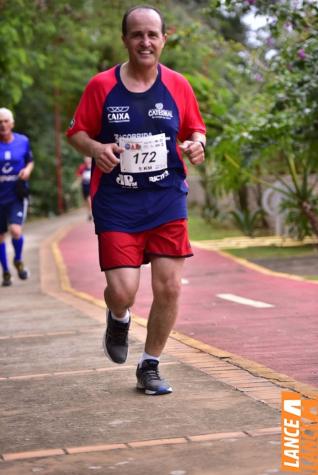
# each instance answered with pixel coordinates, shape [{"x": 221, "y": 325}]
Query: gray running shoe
[
  {"x": 115, "y": 339},
  {"x": 6, "y": 279},
  {"x": 149, "y": 380}
]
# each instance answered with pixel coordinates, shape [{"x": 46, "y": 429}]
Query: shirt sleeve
[
  {"x": 28, "y": 157},
  {"x": 88, "y": 115},
  {"x": 191, "y": 118}
]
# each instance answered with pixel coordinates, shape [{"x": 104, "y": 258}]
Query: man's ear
[{"x": 124, "y": 41}]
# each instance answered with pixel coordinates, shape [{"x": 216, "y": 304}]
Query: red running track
[{"x": 283, "y": 337}]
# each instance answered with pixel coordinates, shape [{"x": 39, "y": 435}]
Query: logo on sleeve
[
  {"x": 118, "y": 114},
  {"x": 159, "y": 112}
]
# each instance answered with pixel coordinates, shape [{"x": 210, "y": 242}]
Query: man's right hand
[{"x": 105, "y": 158}]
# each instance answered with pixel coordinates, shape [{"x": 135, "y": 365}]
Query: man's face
[
  {"x": 6, "y": 126},
  {"x": 144, "y": 39}
]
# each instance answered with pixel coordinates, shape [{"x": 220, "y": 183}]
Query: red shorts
[{"x": 118, "y": 249}]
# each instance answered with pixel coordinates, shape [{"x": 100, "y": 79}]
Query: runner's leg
[
  {"x": 122, "y": 286},
  {"x": 166, "y": 285},
  {"x": 3, "y": 254}
]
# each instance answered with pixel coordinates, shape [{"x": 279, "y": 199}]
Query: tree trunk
[
  {"x": 58, "y": 152},
  {"x": 311, "y": 214}
]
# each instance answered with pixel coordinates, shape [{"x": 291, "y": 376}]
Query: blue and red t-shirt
[
  {"x": 134, "y": 199},
  {"x": 14, "y": 156}
]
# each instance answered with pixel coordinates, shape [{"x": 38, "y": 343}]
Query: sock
[
  {"x": 3, "y": 257},
  {"x": 18, "y": 245},
  {"x": 124, "y": 319},
  {"x": 146, "y": 356}
]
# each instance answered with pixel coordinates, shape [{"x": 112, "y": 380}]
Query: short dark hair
[{"x": 141, "y": 7}]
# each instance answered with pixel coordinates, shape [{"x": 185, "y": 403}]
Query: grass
[
  {"x": 199, "y": 229},
  {"x": 270, "y": 252}
]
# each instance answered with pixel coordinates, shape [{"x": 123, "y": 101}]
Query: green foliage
[
  {"x": 247, "y": 221},
  {"x": 301, "y": 200},
  {"x": 54, "y": 48},
  {"x": 279, "y": 127},
  {"x": 16, "y": 35}
]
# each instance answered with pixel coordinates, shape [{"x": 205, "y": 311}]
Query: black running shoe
[
  {"x": 6, "y": 279},
  {"x": 23, "y": 273},
  {"x": 115, "y": 339},
  {"x": 149, "y": 380}
]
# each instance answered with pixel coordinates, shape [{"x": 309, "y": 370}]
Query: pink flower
[
  {"x": 301, "y": 54},
  {"x": 288, "y": 26}
]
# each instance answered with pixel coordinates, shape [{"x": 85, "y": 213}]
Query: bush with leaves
[{"x": 279, "y": 130}]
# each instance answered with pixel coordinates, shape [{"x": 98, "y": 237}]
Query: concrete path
[{"x": 65, "y": 409}]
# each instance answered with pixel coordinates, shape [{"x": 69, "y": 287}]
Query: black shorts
[
  {"x": 85, "y": 190},
  {"x": 13, "y": 213}
]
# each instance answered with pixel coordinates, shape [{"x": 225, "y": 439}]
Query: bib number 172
[{"x": 145, "y": 157}]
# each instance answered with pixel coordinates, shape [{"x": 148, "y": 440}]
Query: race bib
[{"x": 143, "y": 155}]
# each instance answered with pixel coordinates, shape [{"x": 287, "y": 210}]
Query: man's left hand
[
  {"x": 194, "y": 151},
  {"x": 24, "y": 174}
]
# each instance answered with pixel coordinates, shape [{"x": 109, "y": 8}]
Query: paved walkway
[{"x": 65, "y": 409}]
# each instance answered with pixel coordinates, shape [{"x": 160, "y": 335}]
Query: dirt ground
[{"x": 303, "y": 266}]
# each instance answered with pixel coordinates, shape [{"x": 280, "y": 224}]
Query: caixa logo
[
  {"x": 118, "y": 114},
  {"x": 126, "y": 181}
]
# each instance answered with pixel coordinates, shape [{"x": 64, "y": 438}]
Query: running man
[
  {"x": 83, "y": 172},
  {"x": 135, "y": 120},
  {"x": 16, "y": 165}
]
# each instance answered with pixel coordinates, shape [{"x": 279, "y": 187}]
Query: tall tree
[{"x": 17, "y": 20}]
